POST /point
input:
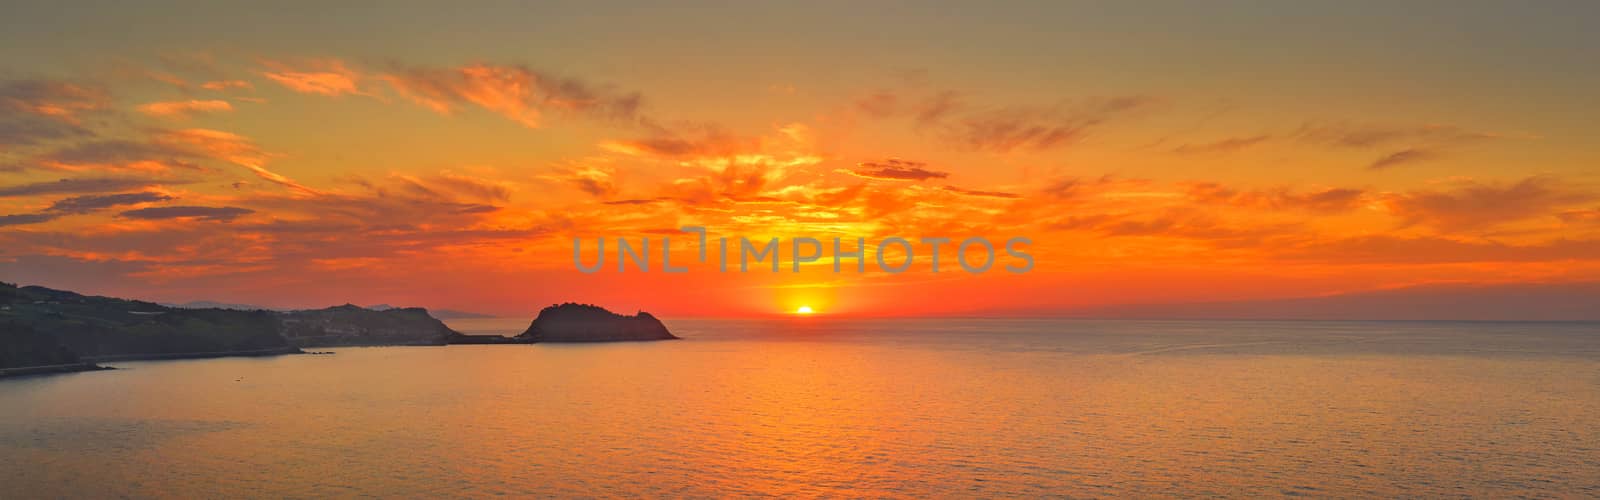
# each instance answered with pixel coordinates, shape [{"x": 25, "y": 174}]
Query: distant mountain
[{"x": 1514, "y": 302}]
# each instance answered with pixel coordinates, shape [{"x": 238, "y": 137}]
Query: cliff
[
  {"x": 589, "y": 323},
  {"x": 41, "y": 326},
  {"x": 349, "y": 325}
]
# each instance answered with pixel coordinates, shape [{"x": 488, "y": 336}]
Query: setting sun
[{"x": 803, "y": 310}]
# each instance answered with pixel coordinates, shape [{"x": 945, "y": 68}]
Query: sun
[{"x": 804, "y": 310}]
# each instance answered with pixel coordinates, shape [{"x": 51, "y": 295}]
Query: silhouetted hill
[
  {"x": 589, "y": 323},
  {"x": 349, "y": 325},
  {"x": 104, "y": 328}
]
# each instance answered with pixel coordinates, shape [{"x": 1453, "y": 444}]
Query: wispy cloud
[
  {"x": 983, "y": 194},
  {"x": 1472, "y": 205},
  {"x": 516, "y": 92},
  {"x": 1402, "y": 157},
  {"x": 184, "y": 109},
  {"x": 1229, "y": 145},
  {"x": 218, "y": 214},
  {"x": 329, "y": 77},
  {"x": 79, "y": 185},
  {"x": 895, "y": 169}
]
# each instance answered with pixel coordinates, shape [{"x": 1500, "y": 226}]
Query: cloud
[
  {"x": 688, "y": 141},
  {"x": 1229, "y": 145},
  {"x": 1346, "y": 135},
  {"x": 596, "y": 181},
  {"x": 330, "y": 77},
  {"x": 57, "y": 99},
  {"x": 91, "y": 203},
  {"x": 232, "y": 148},
  {"x": 1474, "y": 205},
  {"x": 1073, "y": 188},
  {"x": 1433, "y": 250},
  {"x": 895, "y": 169},
  {"x": 218, "y": 214},
  {"x": 1402, "y": 157},
  {"x": 184, "y": 109},
  {"x": 21, "y": 219},
  {"x": 448, "y": 186},
  {"x": 1024, "y": 129},
  {"x": 34, "y": 111},
  {"x": 120, "y": 154},
  {"x": 220, "y": 85},
  {"x": 878, "y": 104},
  {"x": 983, "y": 194},
  {"x": 1173, "y": 223},
  {"x": 23, "y": 129},
  {"x": 515, "y": 92},
  {"x": 1327, "y": 200},
  {"x": 78, "y": 185},
  {"x": 81, "y": 205},
  {"x": 1581, "y": 216}
]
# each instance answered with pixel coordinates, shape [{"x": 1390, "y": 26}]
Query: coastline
[
  {"x": 24, "y": 371},
  {"x": 91, "y": 363}
]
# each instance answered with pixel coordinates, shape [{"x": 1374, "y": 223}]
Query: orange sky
[{"x": 1152, "y": 157}]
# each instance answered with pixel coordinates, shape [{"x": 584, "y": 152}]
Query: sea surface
[{"x": 821, "y": 407}]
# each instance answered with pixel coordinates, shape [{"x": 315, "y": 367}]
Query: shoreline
[
  {"x": 24, "y": 371},
  {"x": 91, "y": 363}
]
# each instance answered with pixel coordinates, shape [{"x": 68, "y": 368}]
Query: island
[{"x": 571, "y": 322}]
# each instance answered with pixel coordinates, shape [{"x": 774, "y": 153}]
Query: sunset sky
[{"x": 1156, "y": 153}]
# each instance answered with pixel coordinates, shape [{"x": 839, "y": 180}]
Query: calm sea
[{"x": 843, "y": 408}]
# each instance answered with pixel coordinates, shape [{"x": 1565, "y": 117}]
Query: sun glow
[{"x": 804, "y": 310}]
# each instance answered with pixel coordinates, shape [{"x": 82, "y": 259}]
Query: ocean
[{"x": 828, "y": 407}]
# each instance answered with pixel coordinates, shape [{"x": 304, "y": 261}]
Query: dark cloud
[
  {"x": 983, "y": 194},
  {"x": 1037, "y": 128},
  {"x": 895, "y": 169},
  {"x": 1402, "y": 157},
  {"x": 90, "y": 203},
  {"x": 685, "y": 141},
  {"x": 79, "y": 186},
  {"x": 1348, "y": 135},
  {"x": 1229, "y": 145},
  {"x": 220, "y": 214},
  {"x": 516, "y": 92},
  {"x": 20, "y": 219},
  {"x": 123, "y": 152},
  {"x": 23, "y": 129}
]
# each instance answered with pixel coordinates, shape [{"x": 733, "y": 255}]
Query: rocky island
[{"x": 589, "y": 323}]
